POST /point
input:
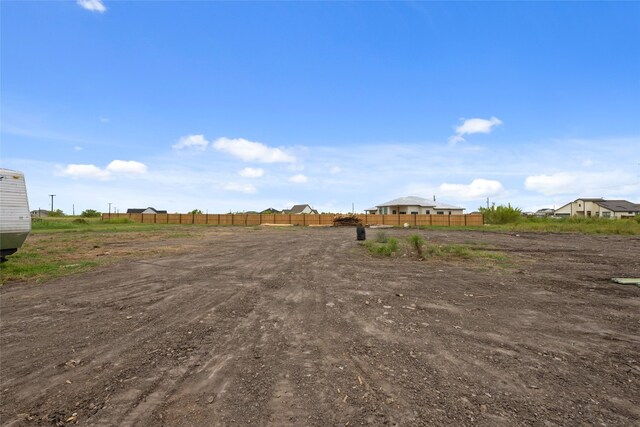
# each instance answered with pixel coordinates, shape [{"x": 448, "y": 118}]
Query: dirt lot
[{"x": 303, "y": 327}]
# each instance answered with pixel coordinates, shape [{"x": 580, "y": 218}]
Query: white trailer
[{"x": 15, "y": 218}]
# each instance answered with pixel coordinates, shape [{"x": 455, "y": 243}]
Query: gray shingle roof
[
  {"x": 418, "y": 201},
  {"x": 619, "y": 205}
]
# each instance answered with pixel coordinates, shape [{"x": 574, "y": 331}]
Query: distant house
[
  {"x": 40, "y": 213},
  {"x": 301, "y": 209},
  {"x": 544, "y": 212},
  {"x": 271, "y": 211},
  {"x": 145, "y": 211},
  {"x": 415, "y": 205},
  {"x": 599, "y": 208}
]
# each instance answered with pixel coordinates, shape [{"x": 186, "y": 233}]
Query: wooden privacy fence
[{"x": 322, "y": 219}]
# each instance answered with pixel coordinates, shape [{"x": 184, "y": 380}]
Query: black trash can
[{"x": 360, "y": 233}]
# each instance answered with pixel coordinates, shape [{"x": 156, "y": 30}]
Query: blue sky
[{"x": 243, "y": 106}]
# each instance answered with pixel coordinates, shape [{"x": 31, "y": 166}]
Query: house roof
[
  {"x": 409, "y": 201},
  {"x": 296, "y": 209},
  {"x": 137, "y": 210},
  {"x": 596, "y": 199},
  {"x": 619, "y": 205},
  {"x": 418, "y": 201}
]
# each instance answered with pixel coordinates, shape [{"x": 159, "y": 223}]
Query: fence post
[
  {"x": 449, "y": 220},
  {"x": 415, "y": 220},
  {"x": 465, "y": 220}
]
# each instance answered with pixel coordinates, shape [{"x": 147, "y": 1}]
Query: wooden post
[{"x": 465, "y": 220}]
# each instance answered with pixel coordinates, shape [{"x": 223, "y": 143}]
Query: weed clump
[
  {"x": 385, "y": 249},
  {"x": 416, "y": 242}
]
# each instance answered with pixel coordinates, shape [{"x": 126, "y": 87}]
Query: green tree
[
  {"x": 90, "y": 213},
  {"x": 57, "y": 213},
  {"x": 195, "y": 212}
]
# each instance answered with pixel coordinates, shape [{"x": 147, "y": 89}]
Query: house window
[
  {"x": 606, "y": 214},
  {"x": 403, "y": 213},
  {"x": 393, "y": 211},
  {"x": 414, "y": 213},
  {"x": 428, "y": 212},
  {"x": 449, "y": 212},
  {"x": 384, "y": 211},
  {"x": 579, "y": 205},
  {"x": 440, "y": 212}
]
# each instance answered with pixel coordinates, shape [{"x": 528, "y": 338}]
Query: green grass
[
  {"x": 31, "y": 264},
  {"x": 561, "y": 225},
  {"x": 388, "y": 248},
  {"x": 119, "y": 225},
  {"x": 415, "y": 245}
]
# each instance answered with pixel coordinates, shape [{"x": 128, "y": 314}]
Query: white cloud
[
  {"x": 125, "y": 166},
  {"x": 252, "y": 151},
  {"x": 583, "y": 184},
  {"x": 94, "y": 172},
  {"x": 299, "y": 179},
  {"x": 335, "y": 170},
  {"x": 84, "y": 171},
  {"x": 192, "y": 141},
  {"x": 77, "y": 148},
  {"x": 471, "y": 126},
  {"x": 478, "y": 188},
  {"x": 242, "y": 188},
  {"x": 92, "y": 5},
  {"x": 251, "y": 172}
]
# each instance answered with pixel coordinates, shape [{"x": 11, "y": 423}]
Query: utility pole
[
  {"x": 73, "y": 209},
  {"x": 109, "y": 209},
  {"x": 353, "y": 207},
  {"x": 52, "y": 196},
  {"x": 487, "y": 203}
]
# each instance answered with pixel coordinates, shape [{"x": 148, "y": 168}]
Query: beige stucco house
[
  {"x": 415, "y": 205},
  {"x": 599, "y": 208}
]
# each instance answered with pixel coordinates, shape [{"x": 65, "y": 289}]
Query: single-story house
[
  {"x": 599, "y": 208},
  {"x": 415, "y": 205},
  {"x": 301, "y": 209},
  {"x": 40, "y": 213},
  {"x": 145, "y": 211}
]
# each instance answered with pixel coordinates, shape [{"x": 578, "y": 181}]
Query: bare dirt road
[{"x": 303, "y": 327}]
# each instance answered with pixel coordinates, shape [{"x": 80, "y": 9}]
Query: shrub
[
  {"x": 381, "y": 237},
  {"x": 195, "y": 212},
  {"x": 384, "y": 249},
  {"x": 90, "y": 213},
  {"x": 501, "y": 214},
  {"x": 80, "y": 221},
  {"x": 56, "y": 214}
]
